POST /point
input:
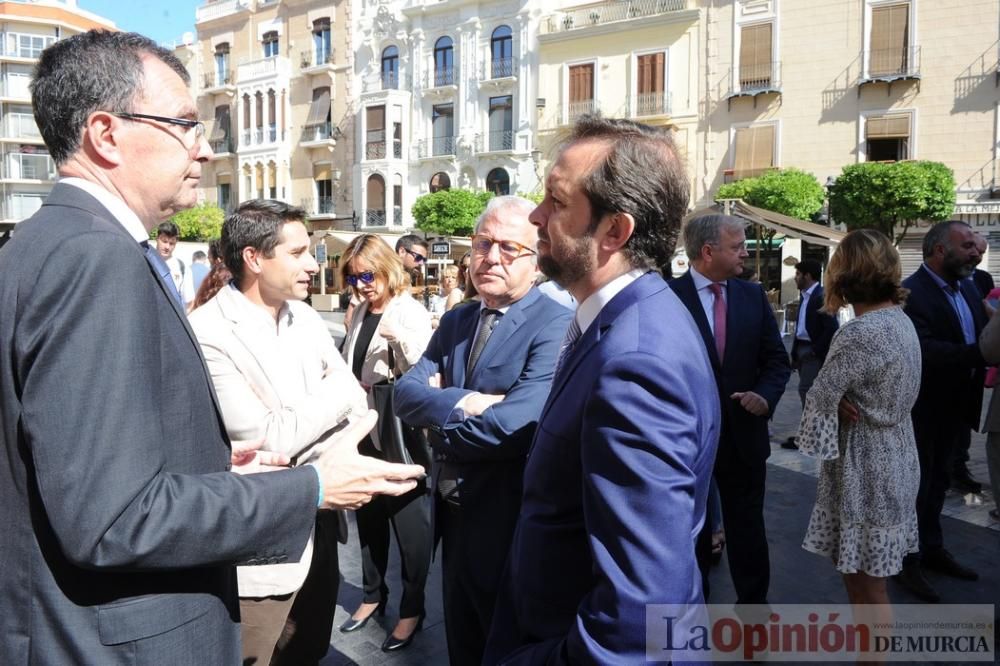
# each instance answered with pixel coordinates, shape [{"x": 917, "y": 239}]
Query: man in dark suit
[
  {"x": 618, "y": 472},
  {"x": 948, "y": 314},
  {"x": 814, "y": 330},
  {"x": 120, "y": 517},
  {"x": 751, "y": 367},
  {"x": 485, "y": 409}
]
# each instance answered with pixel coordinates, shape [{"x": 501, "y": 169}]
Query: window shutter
[
  {"x": 755, "y": 55},
  {"x": 889, "y": 40}
]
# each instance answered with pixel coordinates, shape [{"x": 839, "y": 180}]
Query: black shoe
[
  {"x": 942, "y": 561},
  {"x": 912, "y": 578},
  {"x": 790, "y": 444},
  {"x": 353, "y": 625},
  {"x": 963, "y": 482},
  {"x": 392, "y": 644}
]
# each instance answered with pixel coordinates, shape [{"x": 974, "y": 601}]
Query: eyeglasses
[
  {"x": 367, "y": 277},
  {"x": 417, "y": 257},
  {"x": 509, "y": 250},
  {"x": 199, "y": 127}
]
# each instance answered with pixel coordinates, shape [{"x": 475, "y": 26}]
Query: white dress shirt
[
  {"x": 707, "y": 298},
  {"x": 800, "y": 324}
]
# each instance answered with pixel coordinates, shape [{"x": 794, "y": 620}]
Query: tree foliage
[
  {"x": 791, "y": 192},
  {"x": 891, "y": 196},
  {"x": 535, "y": 196},
  {"x": 201, "y": 223},
  {"x": 449, "y": 212}
]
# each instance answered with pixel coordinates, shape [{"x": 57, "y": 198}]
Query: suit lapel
[
  {"x": 246, "y": 331},
  {"x": 465, "y": 331},
  {"x": 685, "y": 290},
  {"x": 505, "y": 329}
]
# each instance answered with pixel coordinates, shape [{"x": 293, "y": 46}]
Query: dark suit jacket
[
  {"x": 755, "y": 360},
  {"x": 819, "y": 325},
  {"x": 983, "y": 281},
  {"x": 614, "y": 488},
  {"x": 489, "y": 450},
  {"x": 951, "y": 379},
  {"x": 120, "y": 519}
]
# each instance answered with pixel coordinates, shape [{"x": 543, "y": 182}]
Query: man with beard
[
  {"x": 619, "y": 468},
  {"x": 948, "y": 314}
]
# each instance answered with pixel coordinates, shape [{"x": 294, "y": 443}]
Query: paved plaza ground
[{"x": 796, "y": 576}]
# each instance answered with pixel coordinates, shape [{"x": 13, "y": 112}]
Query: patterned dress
[{"x": 865, "y": 515}]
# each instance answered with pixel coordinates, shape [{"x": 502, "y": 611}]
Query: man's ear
[
  {"x": 618, "y": 228},
  {"x": 251, "y": 260},
  {"x": 101, "y": 137}
]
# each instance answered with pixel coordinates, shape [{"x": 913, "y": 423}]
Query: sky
[{"x": 162, "y": 20}]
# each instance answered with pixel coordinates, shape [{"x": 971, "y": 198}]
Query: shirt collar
[
  {"x": 118, "y": 208},
  {"x": 938, "y": 280},
  {"x": 702, "y": 282},
  {"x": 503, "y": 310},
  {"x": 806, "y": 293},
  {"x": 588, "y": 310}
]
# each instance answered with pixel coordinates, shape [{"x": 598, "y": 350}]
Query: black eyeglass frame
[
  {"x": 417, "y": 257},
  {"x": 199, "y": 127}
]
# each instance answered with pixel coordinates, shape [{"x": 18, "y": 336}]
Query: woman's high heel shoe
[
  {"x": 353, "y": 625},
  {"x": 391, "y": 643}
]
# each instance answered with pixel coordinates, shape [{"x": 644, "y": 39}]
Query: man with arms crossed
[
  {"x": 481, "y": 383},
  {"x": 121, "y": 520},
  {"x": 619, "y": 469},
  {"x": 278, "y": 376}
]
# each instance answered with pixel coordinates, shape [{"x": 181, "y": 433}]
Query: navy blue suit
[
  {"x": 755, "y": 361},
  {"x": 819, "y": 325},
  {"x": 951, "y": 390},
  {"x": 614, "y": 488},
  {"x": 488, "y": 451}
]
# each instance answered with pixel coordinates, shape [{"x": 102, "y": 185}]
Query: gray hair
[
  {"x": 93, "y": 71},
  {"x": 707, "y": 230},
  {"x": 507, "y": 202},
  {"x": 938, "y": 235}
]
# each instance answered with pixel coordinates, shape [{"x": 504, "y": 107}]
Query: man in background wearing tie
[
  {"x": 751, "y": 370},
  {"x": 481, "y": 384},
  {"x": 814, "y": 330}
]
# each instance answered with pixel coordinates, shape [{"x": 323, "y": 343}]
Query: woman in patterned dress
[{"x": 856, "y": 419}]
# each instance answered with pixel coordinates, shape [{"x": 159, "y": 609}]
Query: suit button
[{"x": 229, "y": 467}]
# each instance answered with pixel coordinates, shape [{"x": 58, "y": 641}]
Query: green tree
[
  {"x": 201, "y": 223},
  {"x": 791, "y": 192},
  {"x": 449, "y": 212},
  {"x": 535, "y": 196},
  {"x": 892, "y": 196}
]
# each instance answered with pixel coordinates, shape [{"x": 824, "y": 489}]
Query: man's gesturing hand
[
  {"x": 751, "y": 402},
  {"x": 350, "y": 480}
]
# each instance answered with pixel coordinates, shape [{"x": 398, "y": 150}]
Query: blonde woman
[
  {"x": 387, "y": 318},
  {"x": 856, "y": 419}
]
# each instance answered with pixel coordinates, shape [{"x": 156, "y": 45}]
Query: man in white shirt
[{"x": 278, "y": 376}]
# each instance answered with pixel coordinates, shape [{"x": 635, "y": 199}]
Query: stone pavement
[{"x": 796, "y": 576}]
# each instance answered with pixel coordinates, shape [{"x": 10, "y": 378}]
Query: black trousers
[
  {"x": 410, "y": 518},
  {"x": 741, "y": 489},
  {"x": 469, "y": 590},
  {"x": 961, "y": 457},
  {"x": 937, "y": 440},
  {"x": 305, "y": 639}
]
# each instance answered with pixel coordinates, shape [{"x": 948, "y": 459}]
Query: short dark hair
[
  {"x": 198, "y": 255},
  {"x": 409, "y": 240},
  {"x": 97, "y": 70},
  {"x": 641, "y": 175},
  {"x": 810, "y": 267},
  {"x": 256, "y": 223},
  {"x": 938, "y": 234},
  {"x": 168, "y": 229}
]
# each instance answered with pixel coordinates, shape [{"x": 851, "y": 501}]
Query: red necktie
[{"x": 719, "y": 315}]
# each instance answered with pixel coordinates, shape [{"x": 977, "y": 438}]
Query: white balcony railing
[
  {"x": 213, "y": 10},
  {"x": 22, "y": 126},
  {"x": 275, "y": 66},
  {"x": 608, "y": 12},
  {"x": 652, "y": 104},
  {"x": 21, "y": 166}
]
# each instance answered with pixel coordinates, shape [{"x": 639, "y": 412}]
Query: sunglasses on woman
[{"x": 367, "y": 277}]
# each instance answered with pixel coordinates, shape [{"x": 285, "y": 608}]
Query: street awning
[
  {"x": 337, "y": 241},
  {"x": 810, "y": 232},
  {"x": 320, "y": 107}
]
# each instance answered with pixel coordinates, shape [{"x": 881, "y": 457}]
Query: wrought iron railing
[
  {"x": 892, "y": 63},
  {"x": 374, "y": 218},
  {"x": 499, "y": 68}
]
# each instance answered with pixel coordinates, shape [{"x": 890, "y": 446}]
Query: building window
[
  {"x": 397, "y": 140},
  {"x": 887, "y": 138},
  {"x": 397, "y": 200},
  {"x": 889, "y": 40},
  {"x": 443, "y": 126},
  {"x": 222, "y": 64},
  {"x": 272, "y": 117},
  {"x": 390, "y": 68},
  {"x": 501, "y": 123},
  {"x": 321, "y": 41},
  {"x": 270, "y": 42},
  {"x": 247, "y": 123},
  {"x": 756, "y": 61},
  {"x": 498, "y": 182},
  {"x": 581, "y": 90},
  {"x": 324, "y": 193},
  {"x": 375, "y": 133},
  {"x": 440, "y": 181},
  {"x": 318, "y": 125},
  {"x": 224, "y": 194},
  {"x": 444, "y": 62},
  {"x": 375, "y": 190},
  {"x": 753, "y": 151},
  {"x": 502, "y": 53},
  {"x": 27, "y": 46},
  {"x": 259, "y": 120},
  {"x": 220, "y": 138},
  {"x": 651, "y": 84}
]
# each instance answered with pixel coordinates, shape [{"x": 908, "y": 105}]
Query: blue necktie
[{"x": 154, "y": 258}]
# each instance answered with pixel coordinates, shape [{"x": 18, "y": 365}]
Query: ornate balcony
[{"x": 612, "y": 11}]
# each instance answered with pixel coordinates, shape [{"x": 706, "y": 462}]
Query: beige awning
[
  {"x": 321, "y": 172},
  {"x": 320, "y": 107},
  {"x": 220, "y": 132},
  {"x": 789, "y": 226},
  {"x": 896, "y": 126}
]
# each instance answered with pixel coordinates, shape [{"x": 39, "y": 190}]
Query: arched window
[
  {"x": 444, "y": 62},
  {"x": 501, "y": 52},
  {"x": 222, "y": 75},
  {"x": 390, "y": 68},
  {"x": 321, "y": 42},
  {"x": 397, "y": 200},
  {"x": 440, "y": 181},
  {"x": 375, "y": 212},
  {"x": 498, "y": 182},
  {"x": 270, "y": 42}
]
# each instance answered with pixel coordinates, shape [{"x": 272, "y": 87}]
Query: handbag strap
[{"x": 392, "y": 363}]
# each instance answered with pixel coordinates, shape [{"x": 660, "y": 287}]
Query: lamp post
[{"x": 831, "y": 185}]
